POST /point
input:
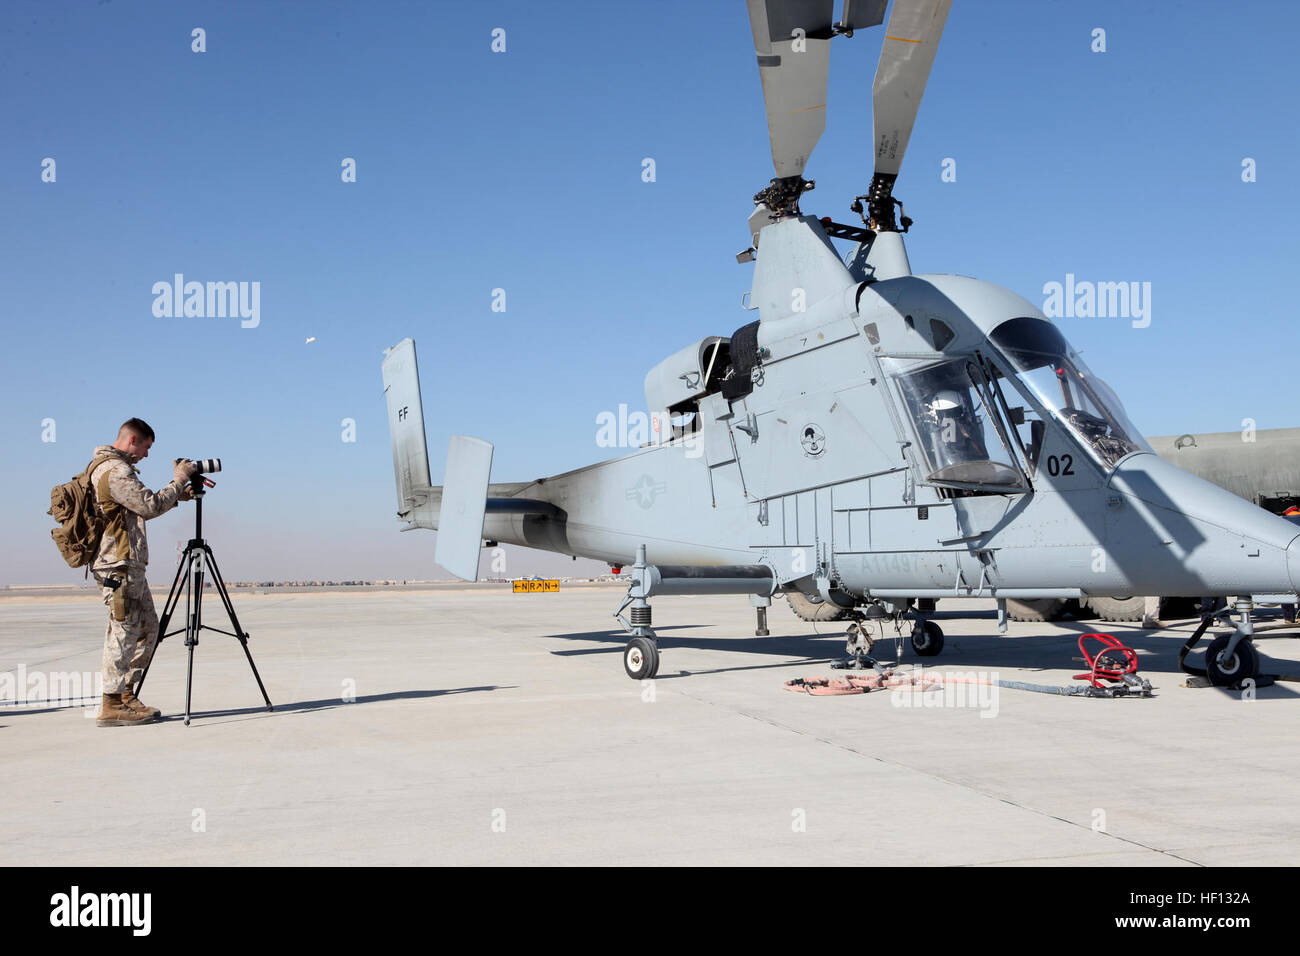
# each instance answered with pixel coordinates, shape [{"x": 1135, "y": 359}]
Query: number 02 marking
[{"x": 1060, "y": 466}]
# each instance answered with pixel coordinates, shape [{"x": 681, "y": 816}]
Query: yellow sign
[{"x": 531, "y": 587}]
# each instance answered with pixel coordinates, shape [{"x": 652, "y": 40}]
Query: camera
[{"x": 204, "y": 466}]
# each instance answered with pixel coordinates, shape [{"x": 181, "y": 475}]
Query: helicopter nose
[{"x": 1183, "y": 535}]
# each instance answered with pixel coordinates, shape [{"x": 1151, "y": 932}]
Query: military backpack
[{"x": 81, "y": 525}]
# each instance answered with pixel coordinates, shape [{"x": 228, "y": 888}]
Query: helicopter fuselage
[{"x": 918, "y": 436}]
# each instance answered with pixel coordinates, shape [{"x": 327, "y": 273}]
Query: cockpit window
[
  {"x": 959, "y": 425},
  {"x": 1041, "y": 358}
]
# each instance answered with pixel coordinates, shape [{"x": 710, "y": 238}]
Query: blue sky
[{"x": 522, "y": 170}]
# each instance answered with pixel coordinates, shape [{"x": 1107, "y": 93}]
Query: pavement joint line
[
  {"x": 1038, "y": 860},
  {"x": 942, "y": 779}
]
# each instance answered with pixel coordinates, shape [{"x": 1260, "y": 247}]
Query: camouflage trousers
[{"x": 132, "y": 628}]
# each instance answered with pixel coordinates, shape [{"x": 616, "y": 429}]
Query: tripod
[{"x": 196, "y": 557}]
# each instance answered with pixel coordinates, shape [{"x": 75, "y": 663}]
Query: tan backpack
[{"x": 81, "y": 524}]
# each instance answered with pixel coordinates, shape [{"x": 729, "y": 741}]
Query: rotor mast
[{"x": 792, "y": 43}]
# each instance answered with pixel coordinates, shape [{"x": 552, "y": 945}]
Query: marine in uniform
[{"x": 120, "y": 564}]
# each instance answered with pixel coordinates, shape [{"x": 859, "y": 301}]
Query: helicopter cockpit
[
  {"x": 961, "y": 427},
  {"x": 1044, "y": 362}
]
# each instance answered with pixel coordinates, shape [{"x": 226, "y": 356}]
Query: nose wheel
[
  {"x": 1231, "y": 659},
  {"x": 641, "y": 658},
  {"x": 1242, "y": 664}
]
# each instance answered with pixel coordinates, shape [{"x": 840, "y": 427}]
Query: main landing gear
[
  {"x": 645, "y": 580},
  {"x": 926, "y": 637}
]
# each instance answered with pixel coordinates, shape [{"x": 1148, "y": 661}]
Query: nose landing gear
[
  {"x": 1231, "y": 659},
  {"x": 1230, "y": 669}
]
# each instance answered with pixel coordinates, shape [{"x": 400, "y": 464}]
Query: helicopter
[{"x": 876, "y": 440}]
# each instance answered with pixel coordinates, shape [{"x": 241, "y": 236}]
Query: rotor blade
[
  {"x": 911, "y": 40},
  {"x": 792, "y": 39}
]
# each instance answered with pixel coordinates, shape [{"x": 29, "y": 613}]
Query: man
[
  {"x": 956, "y": 437},
  {"x": 119, "y": 567}
]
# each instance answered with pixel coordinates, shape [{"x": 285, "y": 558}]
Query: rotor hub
[
  {"x": 879, "y": 212},
  {"x": 782, "y": 195}
]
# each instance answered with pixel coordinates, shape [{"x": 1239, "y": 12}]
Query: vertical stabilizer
[{"x": 406, "y": 429}]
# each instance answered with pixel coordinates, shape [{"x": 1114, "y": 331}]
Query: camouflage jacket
[{"x": 126, "y": 505}]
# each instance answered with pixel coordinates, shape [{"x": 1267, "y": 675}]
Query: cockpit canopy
[
  {"x": 1044, "y": 362},
  {"x": 980, "y": 417}
]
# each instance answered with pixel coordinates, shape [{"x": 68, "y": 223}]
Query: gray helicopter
[{"x": 876, "y": 439}]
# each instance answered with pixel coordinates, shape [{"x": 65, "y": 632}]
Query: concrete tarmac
[{"x": 478, "y": 726}]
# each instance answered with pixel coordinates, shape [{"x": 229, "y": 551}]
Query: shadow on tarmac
[{"x": 329, "y": 703}]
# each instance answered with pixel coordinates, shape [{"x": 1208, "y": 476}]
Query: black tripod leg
[
  {"x": 169, "y": 606},
  {"x": 194, "y": 621},
  {"x": 189, "y": 681},
  {"x": 243, "y": 643},
  {"x": 234, "y": 623}
]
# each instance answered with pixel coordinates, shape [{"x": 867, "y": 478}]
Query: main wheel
[
  {"x": 810, "y": 609},
  {"x": 641, "y": 658},
  {"x": 1243, "y": 664},
  {"x": 927, "y": 641}
]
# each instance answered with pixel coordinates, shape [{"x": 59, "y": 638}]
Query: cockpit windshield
[
  {"x": 1042, "y": 359},
  {"x": 961, "y": 430}
]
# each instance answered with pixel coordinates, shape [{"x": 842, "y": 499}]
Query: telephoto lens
[{"x": 206, "y": 466}]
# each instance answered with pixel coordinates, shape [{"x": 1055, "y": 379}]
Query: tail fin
[{"x": 415, "y": 493}]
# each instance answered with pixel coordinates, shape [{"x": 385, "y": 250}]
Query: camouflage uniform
[{"x": 123, "y": 554}]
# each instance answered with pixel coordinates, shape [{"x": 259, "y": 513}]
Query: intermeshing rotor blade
[
  {"x": 860, "y": 14},
  {"x": 792, "y": 40},
  {"x": 911, "y": 40}
]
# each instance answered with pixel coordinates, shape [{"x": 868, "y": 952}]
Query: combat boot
[
  {"x": 140, "y": 707},
  {"x": 113, "y": 713}
]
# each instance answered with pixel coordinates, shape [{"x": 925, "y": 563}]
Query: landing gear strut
[
  {"x": 926, "y": 636},
  {"x": 1231, "y": 659},
  {"x": 641, "y": 654}
]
